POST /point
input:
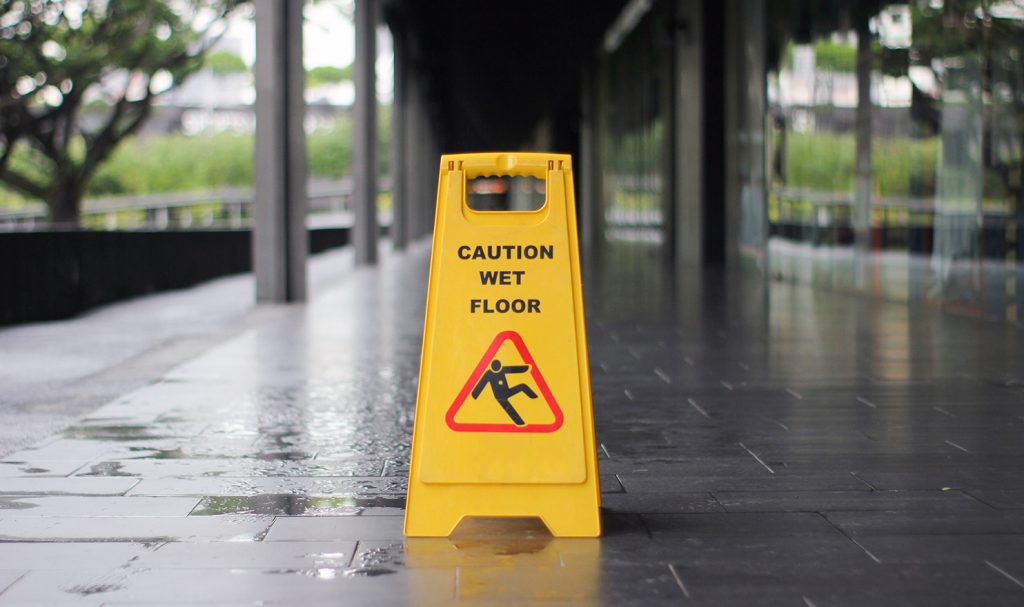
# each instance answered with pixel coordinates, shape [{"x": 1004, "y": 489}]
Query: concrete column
[
  {"x": 864, "y": 177},
  {"x": 733, "y": 74},
  {"x": 431, "y": 165},
  {"x": 399, "y": 146},
  {"x": 280, "y": 240},
  {"x": 414, "y": 151},
  {"x": 754, "y": 195},
  {"x": 424, "y": 162},
  {"x": 365, "y": 230},
  {"x": 590, "y": 174},
  {"x": 689, "y": 133}
]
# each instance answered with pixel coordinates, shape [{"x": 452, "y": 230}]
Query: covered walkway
[{"x": 759, "y": 443}]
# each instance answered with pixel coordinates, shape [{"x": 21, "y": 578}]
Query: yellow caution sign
[{"x": 504, "y": 422}]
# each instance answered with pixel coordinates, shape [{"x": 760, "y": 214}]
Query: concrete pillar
[
  {"x": 399, "y": 148},
  {"x": 689, "y": 133},
  {"x": 863, "y": 133},
  {"x": 733, "y": 75},
  {"x": 754, "y": 194},
  {"x": 432, "y": 164},
  {"x": 590, "y": 174},
  {"x": 365, "y": 230},
  {"x": 280, "y": 240},
  {"x": 423, "y": 161},
  {"x": 413, "y": 159}
]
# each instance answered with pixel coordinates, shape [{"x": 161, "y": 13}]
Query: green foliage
[
  {"x": 904, "y": 166},
  {"x": 176, "y": 163},
  {"x": 327, "y": 74},
  {"x": 827, "y": 163},
  {"x": 224, "y": 62},
  {"x": 173, "y": 163},
  {"x": 821, "y": 162},
  {"x": 835, "y": 57},
  {"x": 55, "y": 51},
  {"x": 329, "y": 152}
]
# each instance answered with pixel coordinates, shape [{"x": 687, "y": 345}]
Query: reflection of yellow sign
[
  {"x": 504, "y": 422},
  {"x": 508, "y": 563}
]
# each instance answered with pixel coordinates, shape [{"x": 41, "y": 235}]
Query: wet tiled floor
[{"x": 758, "y": 445}]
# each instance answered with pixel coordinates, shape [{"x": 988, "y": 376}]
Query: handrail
[{"x": 324, "y": 197}]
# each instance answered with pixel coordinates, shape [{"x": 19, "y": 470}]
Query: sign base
[{"x": 565, "y": 511}]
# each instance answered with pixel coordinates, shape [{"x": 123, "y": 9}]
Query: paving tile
[
  {"x": 230, "y": 468},
  {"x": 135, "y": 528},
  {"x": 610, "y": 484},
  {"x": 242, "y": 486},
  {"x": 301, "y": 505},
  {"x": 336, "y": 528},
  {"x": 62, "y": 450},
  {"x": 218, "y": 586},
  {"x": 1006, "y": 549},
  {"x": 966, "y": 478},
  {"x": 753, "y": 481},
  {"x": 9, "y": 577},
  {"x": 68, "y": 555},
  {"x": 66, "y": 486},
  {"x": 660, "y": 503},
  {"x": 1003, "y": 499},
  {"x": 33, "y": 506},
  {"x": 713, "y": 524},
  {"x": 872, "y": 584},
  {"x": 930, "y": 523},
  {"x": 248, "y": 555},
  {"x": 30, "y": 469},
  {"x": 824, "y": 501}
]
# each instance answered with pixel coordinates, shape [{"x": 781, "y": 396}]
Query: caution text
[
  {"x": 502, "y": 277},
  {"x": 505, "y": 306}
]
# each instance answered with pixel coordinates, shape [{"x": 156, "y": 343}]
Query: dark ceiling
[{"x": 494, "y": 69}]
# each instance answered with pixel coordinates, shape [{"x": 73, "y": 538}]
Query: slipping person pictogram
[{"x": 495, "y": 377}]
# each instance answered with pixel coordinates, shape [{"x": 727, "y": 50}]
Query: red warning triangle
[{"x": 490, "y": 377}]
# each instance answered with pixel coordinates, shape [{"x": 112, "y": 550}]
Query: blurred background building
[{"x": 872, "y": 147}]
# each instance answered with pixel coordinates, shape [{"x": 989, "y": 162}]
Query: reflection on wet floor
[
  {"x": 495, "y": 559},
  {"x": 298, "y": 505},
  {"x": 758, "y": 444}
]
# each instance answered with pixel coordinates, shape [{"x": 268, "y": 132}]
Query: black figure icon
[{"x": 502, "y": 392}]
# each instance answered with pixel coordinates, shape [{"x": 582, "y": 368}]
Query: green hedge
[
  {"x": 173, "y": 163},
  {"x": 827, "y": 163}
]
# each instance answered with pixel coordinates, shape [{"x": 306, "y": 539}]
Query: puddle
[
  {"x": 144, "y": 452},
  {"x": 116, "y": 433},
  {"x": 331, "y": 565},
  {"x": 151, "y": 453},
  {"x": 330, "y": 573},
  {"x": 107, "y": 469},
  {"x": 14, "y": 504},
  {"x": 292, "y": 505},
  {"x": 87, "y": 590},
  {"x": 368, "y": 572},
  {"x": 501, "y": 536},
  {"x": 374, "y": 558}
]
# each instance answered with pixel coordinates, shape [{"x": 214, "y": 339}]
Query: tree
[
  {"x": 56, "y": 55},
  {"x": 327, "y": 74},
  {"x": 224, "y": 62}
]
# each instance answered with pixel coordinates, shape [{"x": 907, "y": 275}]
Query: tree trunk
[{"x": 65, "y": 202}]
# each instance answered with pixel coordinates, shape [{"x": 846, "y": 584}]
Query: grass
[
  {"x": 178, "y": 163},
  {"x": 827, "y": 163}
]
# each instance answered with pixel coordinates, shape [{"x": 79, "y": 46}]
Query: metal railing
[{"x": 330, "y": 204}]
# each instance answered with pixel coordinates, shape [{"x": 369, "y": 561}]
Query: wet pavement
[{"x": 758, "y": 445}]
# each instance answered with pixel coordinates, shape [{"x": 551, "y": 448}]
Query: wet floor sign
[{"x": 504, "y": 422}]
